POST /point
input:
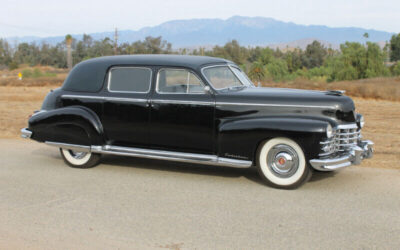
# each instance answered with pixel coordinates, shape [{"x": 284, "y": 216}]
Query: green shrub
[
  {"x": 37, "y": 73},
  {"x": 26, "y": 73},
  {"x": 277, "y": 69},
  {"x": 50, "y": 74},
  {"x": 13, "y": 65},
  {"x": 396, "y": 69}
]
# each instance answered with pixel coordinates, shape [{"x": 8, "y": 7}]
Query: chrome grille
[{"x": 345, "y": 137}]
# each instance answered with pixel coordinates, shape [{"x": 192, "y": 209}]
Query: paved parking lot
[{"x": 139, "y": 204}]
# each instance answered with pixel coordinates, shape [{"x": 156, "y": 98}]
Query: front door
[
  {"x": 182, "y": 113},
  {"x": 126, "y": 110}
]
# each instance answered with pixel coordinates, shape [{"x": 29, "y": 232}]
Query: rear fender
[{"x": 74, "y": 125}]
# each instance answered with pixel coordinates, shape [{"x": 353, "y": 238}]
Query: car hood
[{"x": 295, "y": 97}]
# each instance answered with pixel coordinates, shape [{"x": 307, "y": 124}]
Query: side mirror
[{"x": 207, "y": 89}]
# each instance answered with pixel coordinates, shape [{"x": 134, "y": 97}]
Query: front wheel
[
  {"x": 281, "y": 163},
  {"x": 79, "y": 159}
]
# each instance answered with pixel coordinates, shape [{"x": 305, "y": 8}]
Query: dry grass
[
  {"x": 10, "y": 78},
  {"x": 386, "y": 88},
  {"x": 382, "y": 117},
  {"x": 16, "y": 104},
  {"x": 383, "y": 128}
]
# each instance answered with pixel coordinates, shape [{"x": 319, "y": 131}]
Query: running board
[{"x": 157, "y": 154}]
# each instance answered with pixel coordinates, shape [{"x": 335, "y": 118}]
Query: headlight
[
  {"x": 362, "y": 122},
  {"x": 329, "y": 131}
]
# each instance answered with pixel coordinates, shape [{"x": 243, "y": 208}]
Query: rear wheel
[
  {"x": 77, "y": 159},
  {"x": 281, "y": 163}
]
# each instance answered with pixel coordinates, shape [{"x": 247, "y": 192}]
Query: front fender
[
  {"x": 73, "y": 124},
  {"x": 241, "y": 138}
]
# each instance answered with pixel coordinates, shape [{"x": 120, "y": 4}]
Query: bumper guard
[
  {"x": 354, "y": 156},
  {"x": 25, "y": 133}
]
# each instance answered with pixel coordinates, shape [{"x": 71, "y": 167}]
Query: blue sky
[{"x": 54, "y": 17}]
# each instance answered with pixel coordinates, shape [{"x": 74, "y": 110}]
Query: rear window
[{"x": 129, "y": 79}]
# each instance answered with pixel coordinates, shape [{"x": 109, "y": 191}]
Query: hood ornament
[{"x": 335, "y": 92}]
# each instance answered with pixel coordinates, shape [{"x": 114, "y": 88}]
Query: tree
[
  {"x": 396, "y": 69},
  {"x": 5, "y": 53},
  {"x": 257, "y": 71},
  {"x": 277, "y": 69},
  {"x": 294, "y": 60},
  {"x": 235, "y": 52},
  {"x": 354, "y": 56},
  {"x": 266, "y": 56},
  {"x": 375, "y": 61},
  {"x": 366, "y": 35},
  {"x": 314, "y": 55},
  {"x": 395, "y": 48}
]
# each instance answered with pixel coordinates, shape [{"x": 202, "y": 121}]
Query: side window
[
  {"x": 178, "y": 81},
  {"x": 129, "y": 79}
]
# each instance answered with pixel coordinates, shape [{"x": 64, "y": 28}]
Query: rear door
[
  {"x": 126, "y": 110},
  {"x": 182, "y": 113}
]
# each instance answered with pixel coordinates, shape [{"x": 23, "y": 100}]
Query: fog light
[{"x": 329, "y": 131}]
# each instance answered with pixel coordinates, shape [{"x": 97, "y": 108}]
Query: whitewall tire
[
  {"x": 281, "y": 163},
  {"x": 79, "y": 159}
]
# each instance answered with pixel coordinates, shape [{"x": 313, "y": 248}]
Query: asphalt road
[{"x": 128, "y": 203}]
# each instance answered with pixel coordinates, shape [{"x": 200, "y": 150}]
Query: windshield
[{"x": 222, "y": 77}]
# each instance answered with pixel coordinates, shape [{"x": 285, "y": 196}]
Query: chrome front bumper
[
  {"x": 354, "y": 156},
  {"x": 25, "y": 133}
]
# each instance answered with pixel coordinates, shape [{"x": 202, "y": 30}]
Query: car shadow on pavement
[
  {"x": 180, "y": 167},
  {"x": 319, "y": 175}
]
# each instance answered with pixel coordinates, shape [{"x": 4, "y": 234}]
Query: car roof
[
  {"x": 158, "y": 60},
  {"x": 89, "y": 75}
]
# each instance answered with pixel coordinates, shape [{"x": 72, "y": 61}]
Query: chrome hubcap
[
  {"x": 283, "y": 160},
  {"x": 77, "y": 155}
]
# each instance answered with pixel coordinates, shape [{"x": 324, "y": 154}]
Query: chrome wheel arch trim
[{"x": 157, "y": 154}]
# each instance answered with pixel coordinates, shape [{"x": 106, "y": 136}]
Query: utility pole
[
  {"x": 116, "y": 42},
  {"x": 68, "y": 41}
]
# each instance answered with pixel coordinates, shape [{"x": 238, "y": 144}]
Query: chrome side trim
[
  {"x": 25, "y": 133},
  {"x": 273, "y": 105},
  {"x": 193, "y": 102},
  {"x": 80, "y": 148},
  {"x": 104, "y": 98},
  {"x": 172, "y": 156},
  {"x": 82, "y": 96},
  {"x": 125, "y": 99},
  {"x": 157, "y": 154},
  {"x": 182, "y": 102}
]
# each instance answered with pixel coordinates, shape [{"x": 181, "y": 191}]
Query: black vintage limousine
[{"x": 198, "y": 110}]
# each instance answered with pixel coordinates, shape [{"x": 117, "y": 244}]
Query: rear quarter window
[{"x": 129, "y": 79}]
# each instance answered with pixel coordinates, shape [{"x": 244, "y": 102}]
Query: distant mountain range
[{"x": 249, "y": 31}]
